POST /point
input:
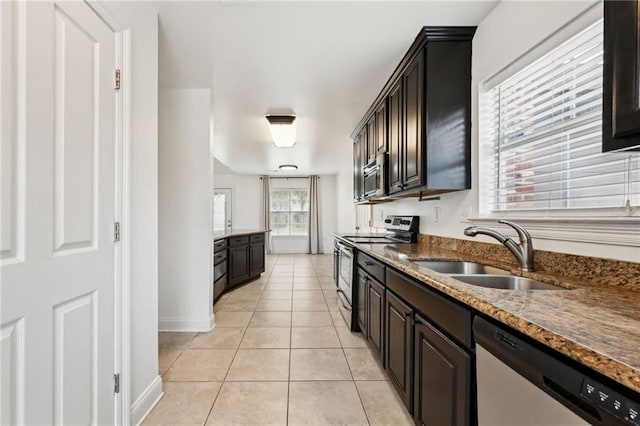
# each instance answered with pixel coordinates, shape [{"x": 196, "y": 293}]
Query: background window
[
  {"x": 289, "y": 211},
  {"x": 541, "y": 135}
]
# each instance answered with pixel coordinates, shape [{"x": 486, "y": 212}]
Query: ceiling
[{"x": 324, "y": 61}]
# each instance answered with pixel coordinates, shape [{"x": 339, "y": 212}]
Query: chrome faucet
[{"x": 523, "y": 252}]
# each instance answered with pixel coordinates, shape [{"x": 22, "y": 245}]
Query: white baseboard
[
  {"x": 145, "y": 403},
  {"x": 185, "y": 324}
]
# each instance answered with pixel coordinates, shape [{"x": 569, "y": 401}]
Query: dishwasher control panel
[{"x": 611, "y": 401}]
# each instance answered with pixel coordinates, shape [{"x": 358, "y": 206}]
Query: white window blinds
[{"x": 540, "y": 137}]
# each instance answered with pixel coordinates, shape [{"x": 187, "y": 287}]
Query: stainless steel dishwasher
[{"x": 520, "y": 384}]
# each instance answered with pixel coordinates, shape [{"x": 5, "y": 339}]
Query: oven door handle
[{"x": 339, "y": 291}]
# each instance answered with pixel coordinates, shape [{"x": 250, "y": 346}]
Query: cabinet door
[
  {"x": 357, "y": 171},
  {"x": 381, "y": 128},
  {"x": 372, "y": 150},
  {"x": 256, "y": 259},
  {"x": 395, "y": 139},
  {"x": 442, "y": 391},
  {"x": 413, "y": 160},
  {"x": 362, "y": 301},
  {"x": 238, "y": 264},
  {"x": 375, "y": 332},
  {"x": 621, "y": 102},
  {"x": 399, "y": 343}
]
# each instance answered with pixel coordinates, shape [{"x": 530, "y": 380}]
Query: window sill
[
  {"x": 617, "y": 231},
  {"x": 289, "y": 237}
]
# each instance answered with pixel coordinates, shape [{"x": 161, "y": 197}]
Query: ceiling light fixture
[
  {"x": 283, "y": 130},
  {"x": 288, "y": 167}
]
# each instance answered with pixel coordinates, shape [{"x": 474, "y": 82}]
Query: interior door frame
[{"x": 121, "y": 312}]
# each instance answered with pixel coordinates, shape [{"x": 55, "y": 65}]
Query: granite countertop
[
  {"x": 219, "y": 235},
  {"x": 596, "y": 325}
]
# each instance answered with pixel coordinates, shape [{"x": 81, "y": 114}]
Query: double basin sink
[{"x": 484, "y": 275}]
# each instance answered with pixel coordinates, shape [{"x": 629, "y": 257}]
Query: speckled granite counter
[
  {"x": 219, "y": 235},
  {"x": 594, "y": 324}
]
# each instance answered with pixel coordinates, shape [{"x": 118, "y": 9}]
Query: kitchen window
[
  {"x": 289, "y": 211},
  {"x": 541, "y": 136}
]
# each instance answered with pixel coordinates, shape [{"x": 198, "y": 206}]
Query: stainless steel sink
[
  {"x": 506, "y": 282},
  {"x": 459, "y": 267}
]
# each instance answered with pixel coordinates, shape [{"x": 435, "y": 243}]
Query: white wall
[
  {"x": 142, "y": 222},
  {"x": 246, "y": 206},
  {"x": 185, "y": 227},
  {"x": 509, "y": 31},
  {"x": 246, "y": 199}
]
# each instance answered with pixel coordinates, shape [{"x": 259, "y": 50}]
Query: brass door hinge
[{"x": 117, "y": 79}]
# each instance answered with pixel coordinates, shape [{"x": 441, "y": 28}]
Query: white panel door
[
  {"x": 57, "y": 188},
  {"x": 222, "y": 210}
]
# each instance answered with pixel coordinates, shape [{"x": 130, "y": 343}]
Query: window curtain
[
  {"x": 315, "y": 238},
  {"x": 266, "y": 207}
]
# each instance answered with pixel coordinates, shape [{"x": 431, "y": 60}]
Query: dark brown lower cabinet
[
  {"x": 442, "y": 391},
  {"x": 399, "y": 344},
  {"x": 238, "y": 264},
  {"x": 362, "y": 301},
  {"x": 256, "y": 259},
  {"x": 375, "y": 330}
]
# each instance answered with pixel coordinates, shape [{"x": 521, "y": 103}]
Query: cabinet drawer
[
  {"x": 219, "y": 257},
  {"x": 448, "y": 315},
  {"x": 220, "y": 246},
  {"x": 219, "y": 270},
  {"x": 372, "y": 266},
  {"x": 219, "y": 286},
  {"x": 258, "y": 238},
  {"x": 238, "y": 241}
]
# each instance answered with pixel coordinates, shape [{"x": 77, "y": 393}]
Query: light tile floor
[{"x": 280, "y": 354}]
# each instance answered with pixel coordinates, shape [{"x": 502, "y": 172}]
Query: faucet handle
[{"x": 523, "y": 234}]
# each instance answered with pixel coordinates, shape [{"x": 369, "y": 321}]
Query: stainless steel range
[{"x": 398, "y": 230}]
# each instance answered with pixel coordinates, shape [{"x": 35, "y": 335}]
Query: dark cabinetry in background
[
  {"x": 220, "y": 277},
  {"x": 621, "y": 103},
  {"x": 246, "y": 258},
  {"x": 427, "y": 122},
  {"x": 256, "y": 254}
]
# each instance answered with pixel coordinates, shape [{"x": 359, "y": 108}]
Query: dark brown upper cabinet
[
  {"x": 621, "y": 79},
  {"x": 412, "y": 157},
  {"x": 372, "y": 150},
  {"x": 381, "y": 128},
  {"x": 395, "y": 138},
  {"x": 427, "y": 122},
  {"x": 359, "y": 145}
]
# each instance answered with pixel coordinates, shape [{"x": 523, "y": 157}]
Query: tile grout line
[{"x": 231, "y": 363}]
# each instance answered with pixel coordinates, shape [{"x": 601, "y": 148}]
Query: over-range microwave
[{"x": 374, "y": 176}]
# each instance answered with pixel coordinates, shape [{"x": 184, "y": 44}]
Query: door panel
[
  {"x": 399, "y": 341},
  {"x": 376, "y": 317},
  {"x": 58, "y": 257},
  {"x": 12, "y": 115},
  {"x": 76, "y": 152},
  {"x": 395, "y": 139},
  {"x": 75, "y": 362},
  {"x": 413, "y": 97},
  {"x": 12, "y": 386}
]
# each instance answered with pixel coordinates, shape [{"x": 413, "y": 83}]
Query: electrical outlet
[{"x": 436, "y": 214}]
